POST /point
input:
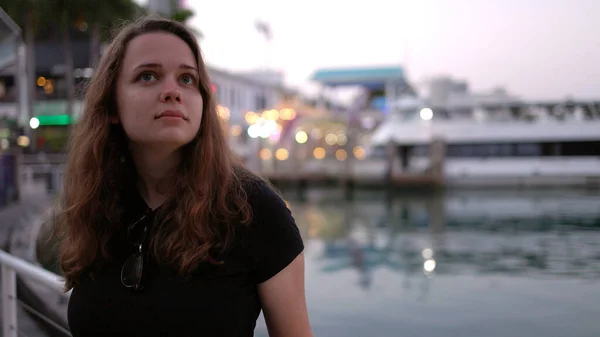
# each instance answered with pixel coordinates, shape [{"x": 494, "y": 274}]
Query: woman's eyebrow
[{"x": 158, "y": 65}]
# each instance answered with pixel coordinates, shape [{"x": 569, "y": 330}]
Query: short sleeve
[{"x": 275, "y": 240}]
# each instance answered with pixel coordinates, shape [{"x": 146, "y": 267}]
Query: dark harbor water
[{"x": 469, "y": 263}]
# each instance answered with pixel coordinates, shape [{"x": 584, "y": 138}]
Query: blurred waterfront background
[{"x": 441, "y": 158}]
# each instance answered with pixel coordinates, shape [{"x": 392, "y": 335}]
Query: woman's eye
[
  {"x": 147, "y": 77},
  {"x": 188, "y": 79}
]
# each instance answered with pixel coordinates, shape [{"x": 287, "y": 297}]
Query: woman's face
[{"x": 158, "y": 100}]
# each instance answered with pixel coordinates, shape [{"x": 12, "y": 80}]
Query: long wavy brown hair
[{"x": 209, "y": 198}]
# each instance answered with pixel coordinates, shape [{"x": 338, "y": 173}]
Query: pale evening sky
[{"x": 538, "y": 49}]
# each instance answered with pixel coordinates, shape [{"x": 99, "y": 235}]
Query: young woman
[{"x": 162, "y": 232}]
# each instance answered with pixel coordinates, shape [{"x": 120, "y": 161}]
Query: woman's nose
[
  {"x": 171, "y": 95},
  {"x": 170, "y": 92}
]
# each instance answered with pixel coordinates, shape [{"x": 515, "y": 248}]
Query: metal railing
[{"x": 11, "y": 267}]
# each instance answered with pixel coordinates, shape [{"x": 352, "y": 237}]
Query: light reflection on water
[{"x": 470, "y": 263}]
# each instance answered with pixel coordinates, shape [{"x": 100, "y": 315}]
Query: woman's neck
[{"x": 154, "y": 169}]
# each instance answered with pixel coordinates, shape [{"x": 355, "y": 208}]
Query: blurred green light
[{"x": 54, "y": 120}]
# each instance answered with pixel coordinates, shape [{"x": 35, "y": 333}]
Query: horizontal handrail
[
  {"x": 12, "y": 266},
  {"x": 31, "y": 271}
]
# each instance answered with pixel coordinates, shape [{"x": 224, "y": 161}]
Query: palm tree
[{"x": 183, "y": 15}]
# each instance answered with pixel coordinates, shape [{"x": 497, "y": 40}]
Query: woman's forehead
[{"x": 159, "y": 49}]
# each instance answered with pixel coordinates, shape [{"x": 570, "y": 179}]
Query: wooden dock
[{"x": 391, "y": 178}]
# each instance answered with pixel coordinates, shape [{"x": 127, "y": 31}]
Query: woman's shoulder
[{"x": 261, "y": 194}]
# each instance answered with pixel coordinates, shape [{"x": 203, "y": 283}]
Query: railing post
[{"x": 9, "y": 302}]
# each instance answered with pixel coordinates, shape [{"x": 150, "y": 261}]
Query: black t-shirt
[{"x": 216, "y": 301}]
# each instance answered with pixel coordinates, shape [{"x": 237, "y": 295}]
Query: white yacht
[{"x": 480, "y": 150}]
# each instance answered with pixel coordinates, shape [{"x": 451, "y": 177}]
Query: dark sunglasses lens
[{"x": 131, "y": 274}]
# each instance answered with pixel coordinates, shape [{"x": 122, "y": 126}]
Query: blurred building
[
  {"x": 160, "y": 6},
  {"x": 453, "y": 99},
  {"x": 266, "y": 76},
  {"x": 243, "y": 92},
  {"x": 441, "y": 88},
  {"x": 377, "y": 85},
  {"x": 165, "y": 7}
]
